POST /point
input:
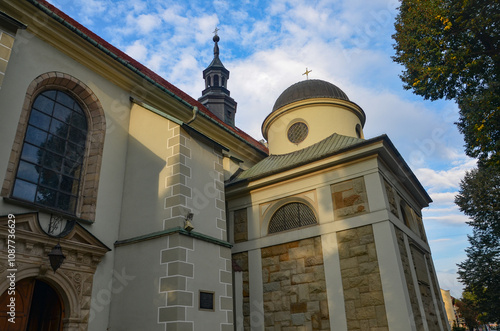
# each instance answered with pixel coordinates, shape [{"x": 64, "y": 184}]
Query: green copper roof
[{"x": 277, "y": 163}]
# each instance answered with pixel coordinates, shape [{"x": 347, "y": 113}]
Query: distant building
[
  {"x": 449, "y": 306},
  {"x": 165, "y": 216}
]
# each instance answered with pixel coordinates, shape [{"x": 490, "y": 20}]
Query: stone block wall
[
  {"x": 424, "y": 286},
  {"x": 240, "y": 264},
  {"x": 363, "y": 294},
  {"x": 174, "y": 283},
  {"x": 294, "y": 286},
  {"x": 349, "y": 198},
  {"x": 410, "y": 284},
  {"x": 437, "y": 291},
  {"x": 391, "y": 198},
  {"x": 240, "y": 225},
  {"x": 179, "y": 172},
  {"x": 6, "y": 43}
]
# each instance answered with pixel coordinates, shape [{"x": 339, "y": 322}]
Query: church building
[{"x": 127, "y": 204}]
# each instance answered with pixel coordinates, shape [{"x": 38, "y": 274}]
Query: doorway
[{"x": 38, "y": 307}]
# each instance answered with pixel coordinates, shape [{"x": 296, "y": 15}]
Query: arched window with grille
[{"x": 290, "y": 216}]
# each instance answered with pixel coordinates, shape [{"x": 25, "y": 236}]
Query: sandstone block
[{"x": 300, "y": 307}]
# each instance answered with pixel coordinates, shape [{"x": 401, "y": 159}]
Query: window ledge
[{"x": 39, "y": 208}]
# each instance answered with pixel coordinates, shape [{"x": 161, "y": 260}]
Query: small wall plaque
[{"x": 206, "y": 300}]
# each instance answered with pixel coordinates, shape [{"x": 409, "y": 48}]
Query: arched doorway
[{"x": 38, "y": 307}]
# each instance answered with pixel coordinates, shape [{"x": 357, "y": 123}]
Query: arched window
[
  {"x": 50, "y": 165},
  {"x": 56, "y": 157},
  {"x": 216, "y": 80},
  {"x": 290, "y": 216}
]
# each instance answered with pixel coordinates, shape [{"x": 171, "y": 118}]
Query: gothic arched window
[
  {"x": 50, "y": 165},
  {"x": 290, "y": 216}
]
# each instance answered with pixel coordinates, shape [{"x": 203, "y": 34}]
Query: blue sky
[{"x": 267, "y": 45}]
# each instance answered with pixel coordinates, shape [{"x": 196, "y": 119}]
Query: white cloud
[
  {"x": 137, "y": 51},
  {"x": 439, "y": 240},
  {"x": 147, "y": 23},
  {"x": 438, "y": 180},
  {"x": 445, "y": 198},
  {"x": 204, "y": 27},
  {"x": 449, "y": 219},
  {"x": 448, "y": 281},
  {"x": 172, "y": 15}
]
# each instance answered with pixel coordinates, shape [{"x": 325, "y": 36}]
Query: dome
[{"x": 306, "y": 89}]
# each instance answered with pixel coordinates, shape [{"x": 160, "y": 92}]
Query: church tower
[{"x": 216, "y": 96}]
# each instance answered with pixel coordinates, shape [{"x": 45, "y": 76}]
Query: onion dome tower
[
  {"x": 309, "y": 112},
  {"x": 216, "y": 96}
]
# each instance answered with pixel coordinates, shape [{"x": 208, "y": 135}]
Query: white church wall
[
  {"x": 145, "y": 189},
  {"x": 33, "y": 57}
]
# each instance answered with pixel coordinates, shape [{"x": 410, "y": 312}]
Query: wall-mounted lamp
[
  {"x": 56, "y": 257},
  {"x": 188, "y": 226}
]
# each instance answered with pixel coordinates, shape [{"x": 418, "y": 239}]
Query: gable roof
[
  {"x": 139, "y": 69},
  {"x": 277, "y": 163},
  {"x": 332, "y": 146}
]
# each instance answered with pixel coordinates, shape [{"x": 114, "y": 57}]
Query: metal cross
[
  {"x": 307, "y": 73},
  {"x": 216, "y": 30}
]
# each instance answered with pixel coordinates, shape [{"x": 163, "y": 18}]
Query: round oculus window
[{"x": 298, "y": 132}]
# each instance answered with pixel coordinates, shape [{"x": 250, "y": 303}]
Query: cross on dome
[{"x": 307, "y": 73}]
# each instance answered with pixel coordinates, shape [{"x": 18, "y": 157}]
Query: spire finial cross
[
  {"x": 307, "y": 73},
  {"x": 216, "y": 30}
]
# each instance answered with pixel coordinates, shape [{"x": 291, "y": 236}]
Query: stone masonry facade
[
  {"x": 294, "y": 286},
  {"x": 349, "y": 198},
  {"x": 363, "y": 294},
  {"x": 174, "y": 283},
  {"x": 240, "y": 264},
  {"x": 424, "y": 286},
  {"x": 410, "y": 284},
  {"x": 240, "y": 225},
  {"x": 437, "y": 292},
  {"x": 6, "y": 43},
  {"x": 178, "y": 193}
]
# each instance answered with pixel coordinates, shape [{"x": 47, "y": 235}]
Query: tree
[
  {"x": 467, "y": 309},
  {"x": 478, "y": 198},
  {"x": 450, "y": 49},
  {"x": 480, "y": 273}
]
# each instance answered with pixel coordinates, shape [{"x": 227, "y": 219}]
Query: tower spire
[
  {"x": 216, "y": 96},
  {"x": 216, "y": 39}
]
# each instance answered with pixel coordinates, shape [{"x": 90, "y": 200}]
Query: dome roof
[{"x": 307, "y": 89}]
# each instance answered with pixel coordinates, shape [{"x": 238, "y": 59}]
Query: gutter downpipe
[
  {"x": 195, "y": 114},
  {"x": 178, "y": 121}
]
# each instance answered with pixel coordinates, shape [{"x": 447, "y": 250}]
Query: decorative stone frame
[
  {"x": 73, "y": 281},
  {"x": 87, "y": 197},
  {"x": 267, "y": 217}
]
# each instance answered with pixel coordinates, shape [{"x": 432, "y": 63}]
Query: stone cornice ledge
[{"x": 168, "y": 232}]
